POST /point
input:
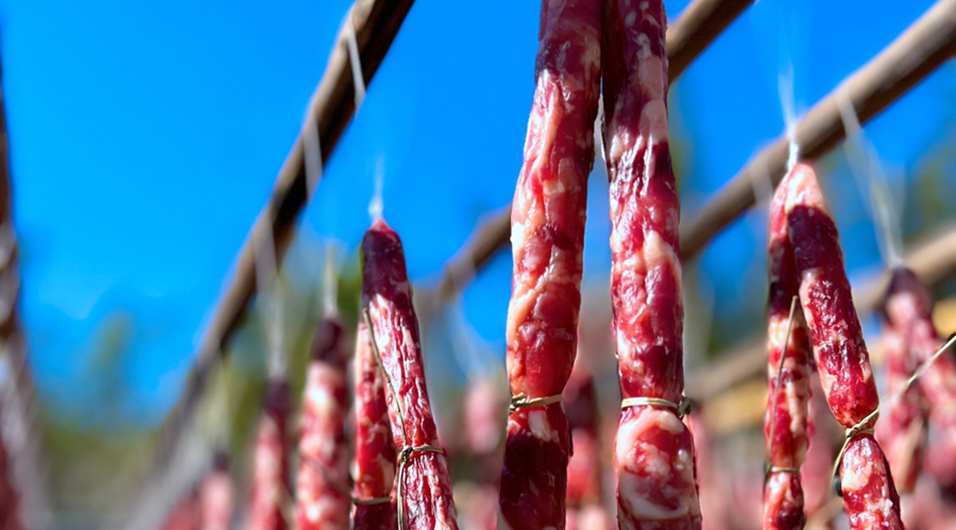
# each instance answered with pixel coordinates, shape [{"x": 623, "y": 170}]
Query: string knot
[
  {"x": 404, "y": 457},
  {"x": 861, "y": 428}
]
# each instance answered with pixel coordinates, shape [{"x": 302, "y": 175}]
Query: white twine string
[
  {"x": 785, "y": 88},
  {"x": 376, "y": 205},
  {"x": 278, "y": 361},
  {"x": 271, "y": 305},
  {"x": 599, "y": 129},
  {"x": 776, "y": 397},
  {"x": 872, "y": 182},
  {"x": 862, "y": 427},
  {"x": 357, "y": 78}
]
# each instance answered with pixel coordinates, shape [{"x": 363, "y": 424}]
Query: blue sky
[{"x": 145, "y": 138}]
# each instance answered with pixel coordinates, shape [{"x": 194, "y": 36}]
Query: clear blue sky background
[{"x": 145, "y": 138}]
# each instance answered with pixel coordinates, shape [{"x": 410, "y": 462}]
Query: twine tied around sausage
[
  {"x": 358, "y": 78},
  {"x": 769, "y": 467},
  {"x": 522, "y": 401},
  {"x": 862, "y": 427},
  {"x": 681, "y": 409},
  {"x": 405, "y": 454}
]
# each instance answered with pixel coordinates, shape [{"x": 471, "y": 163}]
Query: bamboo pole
[
  {"x": 919, "y": 50},
  {"x": 696, "y": 27}
]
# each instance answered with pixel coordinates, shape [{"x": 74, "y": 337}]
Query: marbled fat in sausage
[
  {"x": 902, "y": 424},
  {"x": 547, "y": 239},
  {"x": 375, "y": 454},
  {"x": 869, "y": 495},
  {"x": 215, "y": 496},
  {"x": 270, "y": 486},
  {"x": 322, "y": 481},
  {"x": 9, "y": 502},
  {"x": 654, "y": 450},
  {"x": 908, "y": 311},
  {"x": 787, "y": 418},
  {"x": 387, "y": 296}
]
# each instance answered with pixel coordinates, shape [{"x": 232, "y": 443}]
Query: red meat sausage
[
  {"x": 654, "y": 450},
  {"x": 424, "y": 484},
  {"x": 322, "y": 482},
  {"x": 869, "y": 495},
  {"x": 787, "y": 417},
  {"x": 270, "y": 487},
  {"x": 547, "y": 238},
  {"x": 375, "y": 453}
]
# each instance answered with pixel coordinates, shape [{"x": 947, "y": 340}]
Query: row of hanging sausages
[{"x": 399, "y": 474}]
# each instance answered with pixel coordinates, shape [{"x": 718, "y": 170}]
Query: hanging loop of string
[
  {"x": 405, "y": 454},
  {"x": 770, "y": 468},
  {"x": 358, "y": 79},
  {"x": 863, "y": 426},
  {"x": 865, "y": 166},
  {"x": 266, "y": 276}
]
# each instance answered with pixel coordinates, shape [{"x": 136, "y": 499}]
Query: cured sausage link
[
  {"x": 654, "y": 450},
  {"x": 215, "y": 496},
  {"x": 547, "y": 238},
  {"x": 270, "y": 487},
  {"x": 902, "y": 424},
  {"x": 322, "y": 482},
  {"x": 375, "y": 452},
  {"x": 423, "y": 487},
  {"x": 585, "y": 509},
  {"x": 788, "y": 384},
  {"x": 869, "y": 495},
  {"x": 908, "y": 313}
]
